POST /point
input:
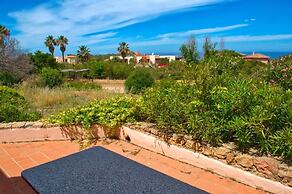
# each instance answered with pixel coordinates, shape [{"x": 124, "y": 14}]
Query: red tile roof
[{"x": 256, "y": 56}]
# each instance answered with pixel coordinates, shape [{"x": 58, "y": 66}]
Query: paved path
[{"x": 14, "y": 158}]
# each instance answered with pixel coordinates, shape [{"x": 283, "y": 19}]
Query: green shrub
[
  {"x": 138, "y": 81},
  {"x": 97, "y": 70},
  {"x": 51, "y": 77},
  {"x": 239, "y": 111},
  {"x": 8, "y": 79},
  {"x": 281, "y": 72},
  {"x": 110, "y": 113},
  {"x": 114, "y": 70},
  {"x": 13, "y": 107},
  {"x": 82, "y": 85},
  {"x": 41, "y": 60}
]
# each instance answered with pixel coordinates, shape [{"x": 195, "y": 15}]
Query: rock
[
  {"x": 154, "y": 131},
  {"x": 229, "y": 158},
  {"x": 5, "y": 125},
  {"x": 51, "y": 125},
  {"x": 208, "y": 151},
  {"x": 244, "y": 160},
  {"x": 28, "y": 124},
  {"x": 230, "y": 146},
  {"x": 188, "y": 137},
  {"x": 38, "y": 124},
  {"x": 190, "y": 144},
  {"x": 253, "y": 151},
  {"x": 286, "y": 175},
  {"x": 266, "y": 165},
  {"x": 221, "y": 152},
  {"x": 176, "y": 138},
  {"x": 18, "y": 125}
]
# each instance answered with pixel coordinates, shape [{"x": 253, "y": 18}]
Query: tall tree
[
  {"x": 83, "y": 53},
  {"x": 62, "y": 41},
  {"x": 124, "y": 50},
  {"x": 189, "y": 51},
  {"x": 4, "y": 34},
  {"x": 50, "y": 42},
  {"x": 208, "y": 47}
]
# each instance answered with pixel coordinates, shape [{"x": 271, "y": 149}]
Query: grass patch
[{"x": 51, "y": 101}]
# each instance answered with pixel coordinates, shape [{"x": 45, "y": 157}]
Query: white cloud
[
  {"x": 250, "y": 38},
  {"x": 178, "y": 40},
  {"x": 250, "y": 20},
  {"x": 75, "y": 18},
  {"x": 202, "y": 31}
]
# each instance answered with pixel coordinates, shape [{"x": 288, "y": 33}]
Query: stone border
[
  {"x": 17, "y": 125},
  {"x": 199, "y": 160},
  {"x": 148, "y": 139}
]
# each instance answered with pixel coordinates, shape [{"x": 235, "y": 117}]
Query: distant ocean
[{"x": 273, "y": 55}]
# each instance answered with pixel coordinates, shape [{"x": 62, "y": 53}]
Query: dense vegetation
[
  {"x": 138, "y": 81},
  {"x": 217, "y": 100},
  {"x": 14, "y": 107}
]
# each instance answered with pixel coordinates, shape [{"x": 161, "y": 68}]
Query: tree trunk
[{"x": 63, "y": 57}]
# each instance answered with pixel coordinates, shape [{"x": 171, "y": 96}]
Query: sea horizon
[{"x": 271, "y": 54}]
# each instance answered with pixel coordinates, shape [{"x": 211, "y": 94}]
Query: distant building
[
  {"x": 257, "y": 57},
  {"x": 71, "y": 59},
  {"x": 151, "y": 59}
]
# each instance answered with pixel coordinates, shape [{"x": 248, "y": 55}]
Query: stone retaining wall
[{"x": 269, "y": 167}]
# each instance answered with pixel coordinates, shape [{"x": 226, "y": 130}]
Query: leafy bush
[
  {"x": 82, "y": 85},
  {"x": 97, "y": 70},
  {"x": 51, "y": 77},
  {"x": 41, "y": 60},
  {"x": 117, "y": 70},
  {"x": 138, "y": 81},
  {"x": 240, "y": 111},
  {"x": 8, "y": 79},
  {"x": 110, "y": 113},
  {"x": 281, "y": 72},
  {"x": 13, "y": 107}
]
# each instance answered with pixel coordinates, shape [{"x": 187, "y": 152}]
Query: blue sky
[{"x": 158, "y": 26}]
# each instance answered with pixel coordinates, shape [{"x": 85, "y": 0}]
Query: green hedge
[
  {"x": 51, "y": 77},
  {"x": 8, "y": 79},
  {"x": 13, "y": 107},
  {"x": 239, "y": 112},
  {"x": 138, "y": 81}
]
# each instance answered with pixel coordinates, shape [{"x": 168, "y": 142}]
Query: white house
[{"x": 151, "y": 59}]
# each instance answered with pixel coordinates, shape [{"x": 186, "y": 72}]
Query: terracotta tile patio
[{"x": 14, "y": 158}]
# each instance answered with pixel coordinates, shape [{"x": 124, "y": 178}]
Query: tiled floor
[{"x": 16, "y": 157}]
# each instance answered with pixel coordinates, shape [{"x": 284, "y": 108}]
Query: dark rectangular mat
[{"x": 98, "y": 170}]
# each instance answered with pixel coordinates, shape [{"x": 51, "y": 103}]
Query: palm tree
[
  {"x": 62, "y": 41},
  {"x": 124, "y": 50},
  {"x": 4, "y": 33},
  {"x": 83, "y": 53},
  {"x": 51, "y": 43}
]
